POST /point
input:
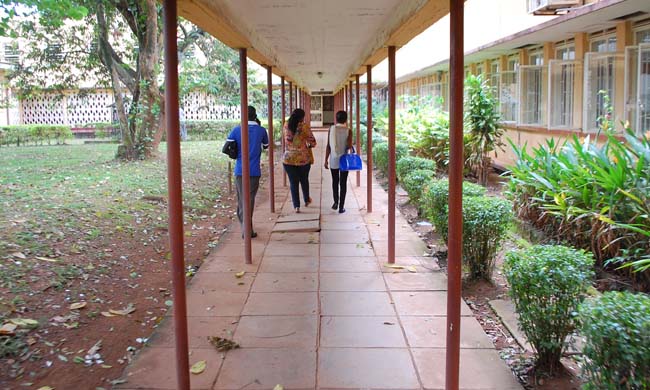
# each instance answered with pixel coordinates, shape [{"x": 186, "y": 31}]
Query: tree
[
  {"x": 482, "y": 120},
  {"x": 117, "y": 41}
]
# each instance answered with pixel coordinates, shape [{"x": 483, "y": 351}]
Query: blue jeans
[{"x": 298, "y": 176}]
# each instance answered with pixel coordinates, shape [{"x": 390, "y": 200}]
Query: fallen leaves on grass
[
  {"x": 24, "y": 322},
  {"x": 8, "y": 329},
  {"x": 222, "y": 344}
]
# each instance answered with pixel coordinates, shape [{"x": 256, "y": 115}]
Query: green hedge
[
  {"x": 436, "y": 198},
  {"x": 34, "y": 134},
  {"x": 547, "y": 284},
  {"x": 416, "y": 182},
  {"x": 408, "y": 164},
  {"x": 617, "y": 349},
  {"x": 380, "y": 154},
  {"x": 219, "y": 129}
]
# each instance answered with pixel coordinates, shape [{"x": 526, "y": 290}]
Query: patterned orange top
[{"x": 298, "y": 146}]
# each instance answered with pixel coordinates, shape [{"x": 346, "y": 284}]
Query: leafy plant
[
  {"x": 617, "y": 350},
  {"x": 485, "y": 224},
  {"x": 483, "y": 121},
  {"x": 415, "y": 182},
  {"x": 435, "y": 202},
  {"x": 596, "y": 197},
  {"x": 408, "y": 164},
  {"x": 380, "y": 154},
  {"x": 547, "y": 283}
]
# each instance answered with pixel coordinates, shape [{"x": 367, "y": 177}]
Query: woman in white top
[{"x": 339, "y": 140}]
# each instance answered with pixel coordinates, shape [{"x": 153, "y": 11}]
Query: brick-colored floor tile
[
  {"x": 277, "y": 332},
  {"x": 221, "y": 282},
  {"x": 349, "y": 264},
  {"x": 285, "y": 282},
  {"x": 430, "y": 332},
  {"x": 283, "y": 249},
  {"x": 265, "y": 368},
  {"x": 348, "y": 281},
  {"x": 414, "y": 247},
  {"x": 361, "y": 332},
  {"x": 155, "y": 368},
  {"x": 356, "y": 304},
  {"x": 479, "y": 369},
  {"x": 199, "y": 329},
  {"x": 360, "y": 368},
  {"x": 348, "y": 226},
  {"x": 424, "y": 303},
  {"x": 346, "y": 250},
  {"x": 301, "y": 303},
  {"x": 407, "y": 281},
  {"x": 213, "y": 304},
  {"x": 296, "y": 238},
  {"x": 344, "y": 237},
  {"x": 229, "y": 264},
  {"x": 289, "y": 264}
]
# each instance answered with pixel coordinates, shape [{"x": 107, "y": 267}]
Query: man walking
[{"x": 257, "y": 139}]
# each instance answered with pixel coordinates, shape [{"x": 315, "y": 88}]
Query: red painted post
[
  {"x": 269, "y": 94},
  {"x": 290, "y": 97},
  {"x": 358, "y": 114},
  {"x": 246, "y": 168},
  {"x": 391, "y": 154},
  {"x": 350, "y": 105},
  {"x": 175, "y": 192},
  {"x": 284, "y": 116},
  {"x": 369, "y": 137},
  {"x": 455, "y": 238}
]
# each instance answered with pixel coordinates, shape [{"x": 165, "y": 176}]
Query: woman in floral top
[{"x": 298, "y": 157}]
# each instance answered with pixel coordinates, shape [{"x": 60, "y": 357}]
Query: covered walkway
[{"x": 321, "y": 310}]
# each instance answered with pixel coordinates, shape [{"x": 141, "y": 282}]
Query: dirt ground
[{"x": 478, "y": 294}]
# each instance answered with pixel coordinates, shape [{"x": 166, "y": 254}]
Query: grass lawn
[{"x": 78, "y": 226}]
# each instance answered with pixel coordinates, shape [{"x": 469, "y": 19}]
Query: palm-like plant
[{"x": 482, "y": 122}]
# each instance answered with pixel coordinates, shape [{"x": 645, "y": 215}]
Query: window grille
[
  {"x": 637, "y": 87},
  {"x": 531, "y": 95},
  {"x": 599, "y": 85},
  {"x": 508, "y": 95},
  {"x": 11, "y": 53},
  {"x": 561, "y": 94}
]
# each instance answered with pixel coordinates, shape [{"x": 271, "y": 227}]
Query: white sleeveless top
[{"x": 338, "y": 136}]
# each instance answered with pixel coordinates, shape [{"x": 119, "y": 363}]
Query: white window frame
[
  {"x": 637, "y": 88},
  {"x": 564, "y": 105},
  {"x": 592, "y": 101},
  {"x": 536, "y": 71},
  {"x": 509, "y": 112}
]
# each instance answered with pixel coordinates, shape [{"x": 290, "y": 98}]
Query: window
[
  {"x": 11, "y": 54},
  {"x": 565, "y": 53},
  {"x": 642, "y": 35},
  {"x": 603, "y": 44},
  {"x": 494, "y": 75},
  {"x": 536, "y": 57},
  {"x": 508, "y": 90},
  {"x": 637, "y": 87},
  {"x": 562, "y": 75},
  {"x": 600, "y": 86},
  {"x": 531, "y": 94},
  {"x": 480, "y": 69}
]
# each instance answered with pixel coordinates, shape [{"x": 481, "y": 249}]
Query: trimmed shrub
[
  {"x": 435, "y": 202},
  {"x": 36, "y": 134},
  {"x": 408, "y": 164},
  {"x": 485, "y": 223},
  {"x": 380, "y": 154},
  {"x": 415, "y": 182},
  {"x": 547, "y": 284},
  {"x": 617, "y": 350}
]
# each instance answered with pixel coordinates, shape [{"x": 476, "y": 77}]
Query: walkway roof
[{"x": 302, "y": 38}]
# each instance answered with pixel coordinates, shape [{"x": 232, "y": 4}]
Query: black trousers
[
  {"x": 339, "y": 179},
  {"x": 255, "y": 185},
  {"x": 298, "y": 177}
]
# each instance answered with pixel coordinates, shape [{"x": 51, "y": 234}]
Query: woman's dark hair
[
  {"x": 297, "y": 116},
  {"x": 341, "y": 117}
]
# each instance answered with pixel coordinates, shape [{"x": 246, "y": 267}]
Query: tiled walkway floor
[{"x": 321, "y": 310}]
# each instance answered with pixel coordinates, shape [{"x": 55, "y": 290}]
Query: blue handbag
[{"x": 350, "y": 161}]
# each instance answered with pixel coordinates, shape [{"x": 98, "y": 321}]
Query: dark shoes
[
  {"x": 335, "y": 206},
  {"x": 341, "y": 211},
  {"x": 308, "y": 202},
  {"x": 253, "y": 235}
]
